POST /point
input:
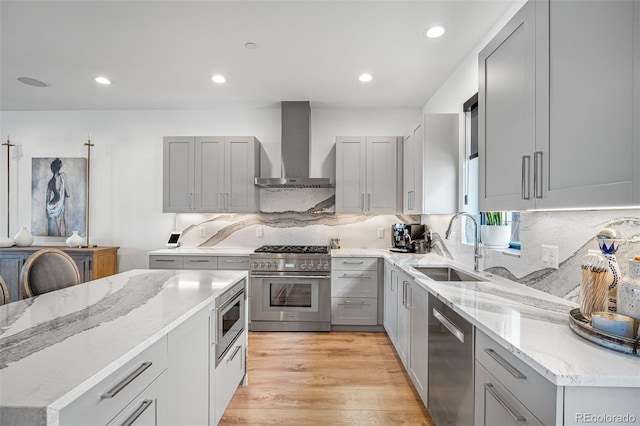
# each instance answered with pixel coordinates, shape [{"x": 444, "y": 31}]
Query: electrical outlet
[
  {"x": 550, "y": 256},
  {"x": 259, "y": 232},
  {"x": 202, "y": 231},
  {"x": 381, "y": 233}
]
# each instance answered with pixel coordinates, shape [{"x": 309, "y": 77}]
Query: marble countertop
[
  {"x": 203, "y": 251},
  {"x": 531, "y": 324},
  {"x": 71, "y": 339}
]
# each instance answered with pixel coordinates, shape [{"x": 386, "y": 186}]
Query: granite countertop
[
  {"x": 531, "y": 324},
  {"x": 71, "y": 339}
]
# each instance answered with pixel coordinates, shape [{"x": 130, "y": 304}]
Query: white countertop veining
[
  {"x": 531, "y": 324},
  {"x": 202, "y": 251},
  {"x": 56, "y": 346}
]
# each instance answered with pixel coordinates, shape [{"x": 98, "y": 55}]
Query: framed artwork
[{"x": 58, "y": 196}]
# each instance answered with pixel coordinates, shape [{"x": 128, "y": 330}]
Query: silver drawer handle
[
  {"x": 235, "y": 352},
  {"x": 354, "y": 276},
  {"x": 505, "y": 364},
  {"x": 517, "y": 417},
  {"x": 164, "y": 260},
  {"x": 354, "y": 302},
  {"x": 141, "y": 409},
  {"x": 449, "y": 325},
  {"x": 352, "y": 263},
  {"x": 130, "y": 378},
  {"x": 235, "y": 261},
  {"x": 198, "y": 260}
]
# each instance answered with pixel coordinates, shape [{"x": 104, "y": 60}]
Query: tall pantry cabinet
[
  {"x": 559, "y": 107},
  {"x": 209, "y": 174}
]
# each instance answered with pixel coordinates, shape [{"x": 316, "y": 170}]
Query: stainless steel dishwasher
[{"x": 450, "y": 366}]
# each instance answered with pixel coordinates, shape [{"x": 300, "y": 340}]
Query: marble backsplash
[{"x": 307, "y": 216}]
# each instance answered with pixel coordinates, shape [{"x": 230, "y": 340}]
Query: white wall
[{"x": 126, "y": 178}]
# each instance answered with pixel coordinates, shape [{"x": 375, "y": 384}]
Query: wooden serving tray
[{"x": 583, "y": 328}]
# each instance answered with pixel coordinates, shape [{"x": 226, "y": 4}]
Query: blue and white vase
[{"x": 608, "y": 247}]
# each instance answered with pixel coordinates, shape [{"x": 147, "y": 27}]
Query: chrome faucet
[{"x": 476, "y": 240}]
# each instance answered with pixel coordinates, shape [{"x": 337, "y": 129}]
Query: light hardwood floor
[{"x": 325, "y": 378}]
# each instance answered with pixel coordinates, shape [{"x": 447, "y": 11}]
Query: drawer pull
[
  {"x": 234, "y": 261},
  {"x": 354, "y": 276},
  {"x": 235, "y": 352},
  {"x": 517, "y": 417},
  {"x": 352, "y": 263},
  {"x": 505, "y": 364},
  {"x": 130, "y": 378},
  {"x": 165, "y": 260},
  {"x": 198, "y": 260},
  {"x": 141, "y": 409},
  {"x": 354, "y": 302}
]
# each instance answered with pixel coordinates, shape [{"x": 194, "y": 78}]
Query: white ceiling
[{"x": 162, "y": 54}]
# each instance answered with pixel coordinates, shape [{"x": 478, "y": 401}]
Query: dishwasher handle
[{"x": 449, "y": 325}]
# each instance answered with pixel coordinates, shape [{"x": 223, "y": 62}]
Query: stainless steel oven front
[
  {"x": 228, "y": 319},
  {"x": 283, "y": 301}
]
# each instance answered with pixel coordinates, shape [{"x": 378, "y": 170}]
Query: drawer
[
  {"x": 354, "y": 264},
  {"x": 200, "y": 262},
  {"x": 165, "y": 262},
  {"x": 148, "y": 408},
  {"x": 354, "y": 284},
  {"x": 105, "y": 400},
  {"x": 534, "y": 391},
  {"x": 233, "y": 262},
  {"x": 495, "y": 405},
  {"x": 354, "y": 311},
  {"x": 228, "y": 375}
]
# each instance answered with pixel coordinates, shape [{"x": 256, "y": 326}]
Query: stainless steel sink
[{"x": 446, "y": 273}]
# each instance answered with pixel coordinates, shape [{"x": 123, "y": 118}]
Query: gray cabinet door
[
  {"x": 178, "y": 175},
  {"x": 585, "y": 134},
  {"x": 350, "y": 174},
  {"x": 404, "y": 318},
  {"x": 391, "y": 301},
  {"x": 418, "y": 361},
  {"x": 241, "y": 168},
  {"x": 209, "y": 173},
  {"x": 380, "y": 190},
  {"x": 10, "y": 267},
  {"x": 507, "y": 113},
  {"x": 409, "y": 170},
  {"x": 84, "y": 263}
]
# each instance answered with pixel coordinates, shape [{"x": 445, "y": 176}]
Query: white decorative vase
[
  {"x": 6, "y": 242},
  {"x": 23, "y": 238},
  {"x": 496, "y": 237},
  {"x": 75, "y": 240}
]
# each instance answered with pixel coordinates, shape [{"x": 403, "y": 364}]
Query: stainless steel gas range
[{"x": 291, "y": 288}]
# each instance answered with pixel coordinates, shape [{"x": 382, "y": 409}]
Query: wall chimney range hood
[{"x": 296, "y": 137}]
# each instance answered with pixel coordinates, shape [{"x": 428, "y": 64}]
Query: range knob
[
  {"x": 261, "y": 264},
  {"x": 268, "y": 265},
  {"x": 254, "y": 265},
  {"x": 275, "y": 265},
  {"x": 326, "y": 265},
  {"x": 303, "y": 265},
  {"x": 319, "y": 265}
]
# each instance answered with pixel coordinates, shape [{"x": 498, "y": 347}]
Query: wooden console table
[{"x": 93, "y": 263}]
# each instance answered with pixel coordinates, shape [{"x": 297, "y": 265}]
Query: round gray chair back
[
  {"x": 48, "y": 270},
  {"x": 4, "y": 292}
]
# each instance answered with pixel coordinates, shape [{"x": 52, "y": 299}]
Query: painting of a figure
[{"x": 58, "y": 195}]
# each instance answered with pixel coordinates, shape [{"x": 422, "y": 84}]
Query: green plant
[{"x": 494, "y": 218}]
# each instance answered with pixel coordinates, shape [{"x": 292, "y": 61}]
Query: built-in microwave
[{"x": 228, "y": 319}]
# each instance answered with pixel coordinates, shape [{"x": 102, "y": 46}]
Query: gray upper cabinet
[
  {"x": 558, "y": 107},
  {"x": 210, "y": 174},
  {"x": 366, "y": 174},
  {"x": 430, "y": 166}
]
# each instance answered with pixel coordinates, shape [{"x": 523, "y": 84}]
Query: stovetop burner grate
[{"x": 293, "y": 249}]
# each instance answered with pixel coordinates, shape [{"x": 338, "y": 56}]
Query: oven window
[
  {"x": 230, "y": 318},
  {"x": 292, "y": 295}
]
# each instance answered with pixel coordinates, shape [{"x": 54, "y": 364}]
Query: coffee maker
[{"x": 403, "y": 235}]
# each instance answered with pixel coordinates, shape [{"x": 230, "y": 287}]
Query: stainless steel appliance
[
  {"x": 450, "y": 359},
  {"x": 291, "y": 288},
  {"x": 228, "y": 319},
  {"x": 403, "y": 235}
]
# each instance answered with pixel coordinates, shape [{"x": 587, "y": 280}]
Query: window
[{"x": 471, "y": 173}]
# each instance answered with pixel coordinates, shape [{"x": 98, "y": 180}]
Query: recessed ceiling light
[
  {"x": 103, "y": 80},
  {"x": 218, "y": 79},
  {"x": 32, "y": 82},
  {"x": 365, "y": 77},
  {"x": 434, "y": 32}
]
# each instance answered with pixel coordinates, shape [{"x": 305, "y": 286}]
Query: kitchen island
[{"x": 64, "y": 353}]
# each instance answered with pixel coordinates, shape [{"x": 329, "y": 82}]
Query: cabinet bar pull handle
[
  {"x": 362, "y": 201},
  {"x": 346, "y": 262},
  {"x": 354, "y": 276},
  {"x": 124, "y": 382},
  {"x": 220, "y": 206},
  {"x": 235, "y": 352},
  {"x": 226, "y": 201},
  {"x": 141, "y": 409},
  {"x": 449, "y": 325},
  {"x": 354, "y": 302},
  {"x": 369, "y": 202},
  {"x": 198, "y": 260},
  {"x": 392, "y": 280},
  {"x": 505, "y": 364},
  {"x": 233, "y": 261},
  {"x": 526, "y": 189},
  {"x": 537, "y": 174},
  {"x": 404, "y": 293},
  {"x": 408, "y": 200},
  {"x": 517, "y": 417},
  {"x": 164, "y": 260},
  {"x": 214, "y": 327}
]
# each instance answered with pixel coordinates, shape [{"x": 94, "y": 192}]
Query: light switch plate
[
  {"x": 381, "y": 233},
  {"x": 550, "y": 256},
  {"x": 202, "y": 231},
  {"x": 259, "y": 232}
]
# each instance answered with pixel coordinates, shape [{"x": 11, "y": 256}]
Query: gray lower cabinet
[
  {"x": 419, "y": 335},
  {"x": 354, "y": 291}
]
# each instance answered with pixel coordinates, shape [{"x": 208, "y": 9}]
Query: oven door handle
[{"x": 312, "y": 277}]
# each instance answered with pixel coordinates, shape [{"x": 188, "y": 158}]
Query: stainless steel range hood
[{"x": 296, "y": 137}]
